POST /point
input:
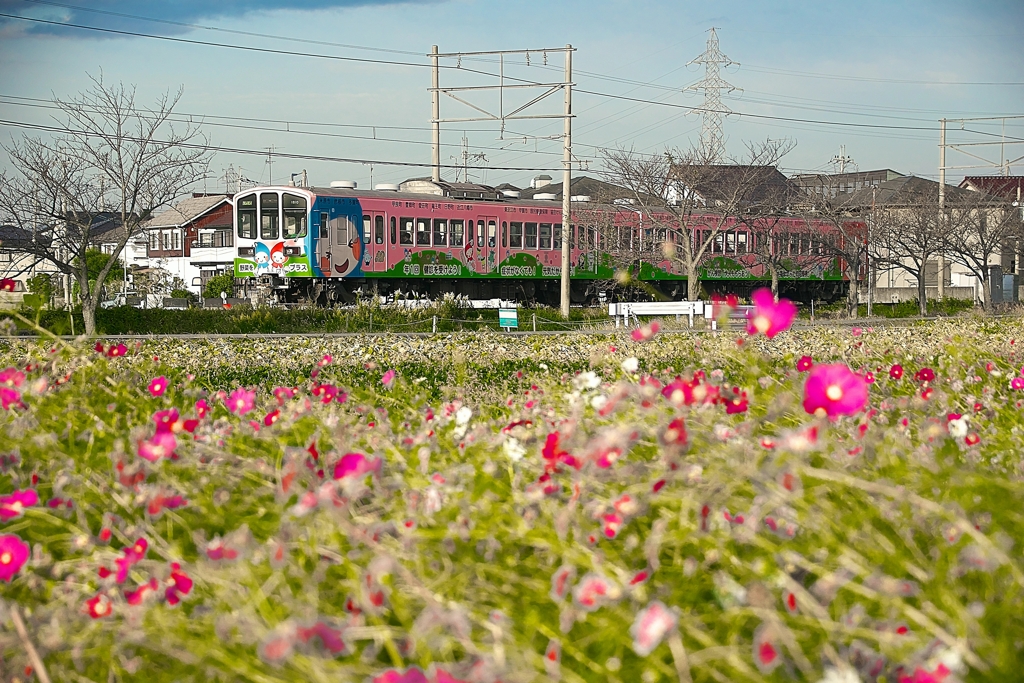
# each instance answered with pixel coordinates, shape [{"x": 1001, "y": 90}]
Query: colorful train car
[{"x": 318, "y": 244}]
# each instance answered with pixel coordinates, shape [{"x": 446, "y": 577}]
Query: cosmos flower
[
  {"x": 769, "y": 317},
  {"x": 98, "y": 606},
  {"x": 160, "y": 445},
  {"x": 10, "y": 397},
  {"x": 388, "y": 378},
  {"x": 651, "y": 626},
  {"x": 646, "y": 332},
  {"x": 356, "y": 465},
  {"x": 804, "y": 363},
  {"x": 8, "y": 284},
  {"x": 13, "y": 554},
  {"x": 896, "y": 371},
  {"x": 158, "y": 386},
  {"x": 241, "y": 401},
  {"x": 834, "y": 390},
  {"x": 13, "y": 505}
]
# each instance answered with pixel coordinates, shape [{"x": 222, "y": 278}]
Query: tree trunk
[
  {"x": 985, "y": 288},
  {"x": 775, "y": 279},
  {"x": 922, "y": 292},
  {"x": 89, "y": 316},
  {"x": 853, "y": 293},
  {"x": 692, "y": 281}
]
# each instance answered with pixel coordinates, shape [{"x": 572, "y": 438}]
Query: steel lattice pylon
[{"x": 712, "y": 139}]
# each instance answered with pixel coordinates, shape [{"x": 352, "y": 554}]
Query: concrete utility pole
[
  {"x": 435, "y": 122},
  {"x": 712, "y": 139},
  {"x": 566, "y": 185},
  {"x": 841, "y": 160},
  {"x": 941, "y": 280}
]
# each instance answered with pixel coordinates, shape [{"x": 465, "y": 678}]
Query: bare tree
[
  {"x": 105, "y": 151},
  {"x": 983, "y": 226},
  {"x": 692, "y": 198}
]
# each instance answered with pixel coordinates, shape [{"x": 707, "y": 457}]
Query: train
[{"x": 428, "y": 238}]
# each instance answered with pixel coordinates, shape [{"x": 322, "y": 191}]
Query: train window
[
  {"x": 515, "y": 238},
  {"x": 545, "y": 236},
  {"x": 730, "y": 242},
  {"x": 378, "y": 229},
  {"x": 457, "y": 231},
  {"x": 325, "y": 226},
  {"x": 741, "y": 242},
  {"x": 531, "y": 236},
  {"x": 366, "y": 229},
  {"x": 794, "y": 244},
  {"x": 440, "y": 232},
  {"x": 719, "y": 243},
  {"x": 556, "y": 240},
  {"x": 246, "y": 210},
  {"x": 422, "y": 232},
  {"x": 344, "y": 235},
  {"x": 492, "y": 229},
  {"x": 269, "y": 216},
  {"x": 504, "y": 234},
  {"x": 471, "y": 232},
  {"x": 405, "y": 234},
  {"x": 294, "y": 216},
  {"x": 394, "y": 229}
]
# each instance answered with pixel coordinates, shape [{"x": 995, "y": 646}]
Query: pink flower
[
  {"x": 922, "y": 676},
  {"x": 202, "y": 407},
  {"x": 612, "y": 524},
  {"x": 769, "y": 317},
  {"x": 356, "y": 465},
  {"x": 651, "y": 626},
  {"x": 561, "y": 580},
  {"x": 166, "y": 420},
  {"x": 804, "y": 364},
  {"x": 766, "y": 651},
  {"x": 12, "y": 377},
  {"x": 675, "y": 433},
  {"x": 283, "y": 394},
  {"x": 14, "y": 505},
  {"x": 181, "y": 584},
  {"x": 646, "y": 332},
  {"x": 593, "y": 591},
  {"x": 132, "y": 556},
  {"x": 8, "y": 284},
  {"x": 896, "y": 371},
  {"x": 329, "y": 637},
  {"x": 13, "y": 554},
  {"x": 834, "y": 390},
  {"x": 160, "y": 445},
  {"x": 388, "y": 379},
  {"x": 158, "y": 386},
  {"x": 1017, "y": 383},
  {"x": 241, "y": 401},
  {"x": 413, "y": 675},
  {"x": 10, "y": 397},
  {"x": 116, "y": 351},
  {"x": 138, "y": 596},
  {"x": 723, "y": 305}
]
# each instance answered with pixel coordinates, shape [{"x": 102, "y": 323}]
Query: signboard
[{"x": 508, "y": 318}]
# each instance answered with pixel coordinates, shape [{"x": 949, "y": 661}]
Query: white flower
[
  {"x": 650, "y": 627},
  {"x": 588, "y": 380},
  {"x": 631, "y": 365},
  {"x": 462, "y": 417},
  {"x": 513, "y": 449},
  {"x": 840, "y": 675},
  {"x": 599, "y": 401},
  {"x": 958, "y": 427}
]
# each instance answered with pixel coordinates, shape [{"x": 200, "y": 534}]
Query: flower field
[{"x": 823, "y": 504}]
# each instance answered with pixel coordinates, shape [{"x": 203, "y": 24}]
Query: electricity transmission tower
[{"x": 712, "y": 140}]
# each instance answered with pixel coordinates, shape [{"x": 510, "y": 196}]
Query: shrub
[{"x": 224, "y": 282}]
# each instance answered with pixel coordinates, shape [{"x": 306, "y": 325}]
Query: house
[
  {"x": 193, "y": 240},
  {"x": 734, "y": 185},
  {"x": 831, "y": 184}
]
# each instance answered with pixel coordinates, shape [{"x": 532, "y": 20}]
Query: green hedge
[{"x": 245, "y": 320}]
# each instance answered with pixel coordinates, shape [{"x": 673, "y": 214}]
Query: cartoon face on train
[{"x": 339, "y": 247}]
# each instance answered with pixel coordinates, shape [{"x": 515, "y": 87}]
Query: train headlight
[
  {"x": 247, "y": 251},
  {"x": 293, "y": 251}
]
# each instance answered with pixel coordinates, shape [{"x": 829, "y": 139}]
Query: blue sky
[{"x": 894, "y": 68}]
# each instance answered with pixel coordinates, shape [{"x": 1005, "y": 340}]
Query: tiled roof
[{"x": 185, "y": 212}]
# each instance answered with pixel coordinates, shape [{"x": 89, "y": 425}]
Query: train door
[
  {"x": 338, "y": 247},
  {"x": 487, "y": 244},
  {"x": 323, "y": 244},
  {"x": 375, "y": 258}
]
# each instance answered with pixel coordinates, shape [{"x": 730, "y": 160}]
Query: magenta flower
[
  {"x": 924, "y": 375},
  {"x": 202, "y": 408},
  {"x": 388, "y": 379},
  {"x": 766, "y": 651},
  {"x": 651, "y": 626},
  {"x": 12, "y": 377},
  {"x": 896, "y": 371},
  {"x": 8, "y": 284},
  {"x": 166, "y": 420},
  {"x": 413, "y": 675},
  {"x": 10, "y": 397},
  {"x": 804, "y": 364},
  {"x": 1017, "y": 383},
  {"x": 98, "y": 607},
  {"x": 769, "y": 317},
  {"x": 924, "y": 676},
  {"x": 329, "y": 637},
  {"x": 160, "y": 445},
  {"x": 180, "y": 584},
  {"x": 13, "y": 554},
  {"x": 646, "y": 332},
  {"x": 158, "y": 386},
  {"x": 356, "y": 465},
  {"x": 138, "y": 596},
  {"x": 14, "y": 505},
  {"x": 241, "y": 401},
  {"x": 834, "y": 390},
  {"x": 593, "y": 591}
]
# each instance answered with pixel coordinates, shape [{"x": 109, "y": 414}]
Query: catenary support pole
[
  {"x": 566, "y": 185},
  {"x": 941, "y": 280},
  {"x": 435, "y": 122}
]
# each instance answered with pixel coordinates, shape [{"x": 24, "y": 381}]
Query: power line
[
  {"x": 263, "y": 152},
  {"x": 869, "y": 79}
]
